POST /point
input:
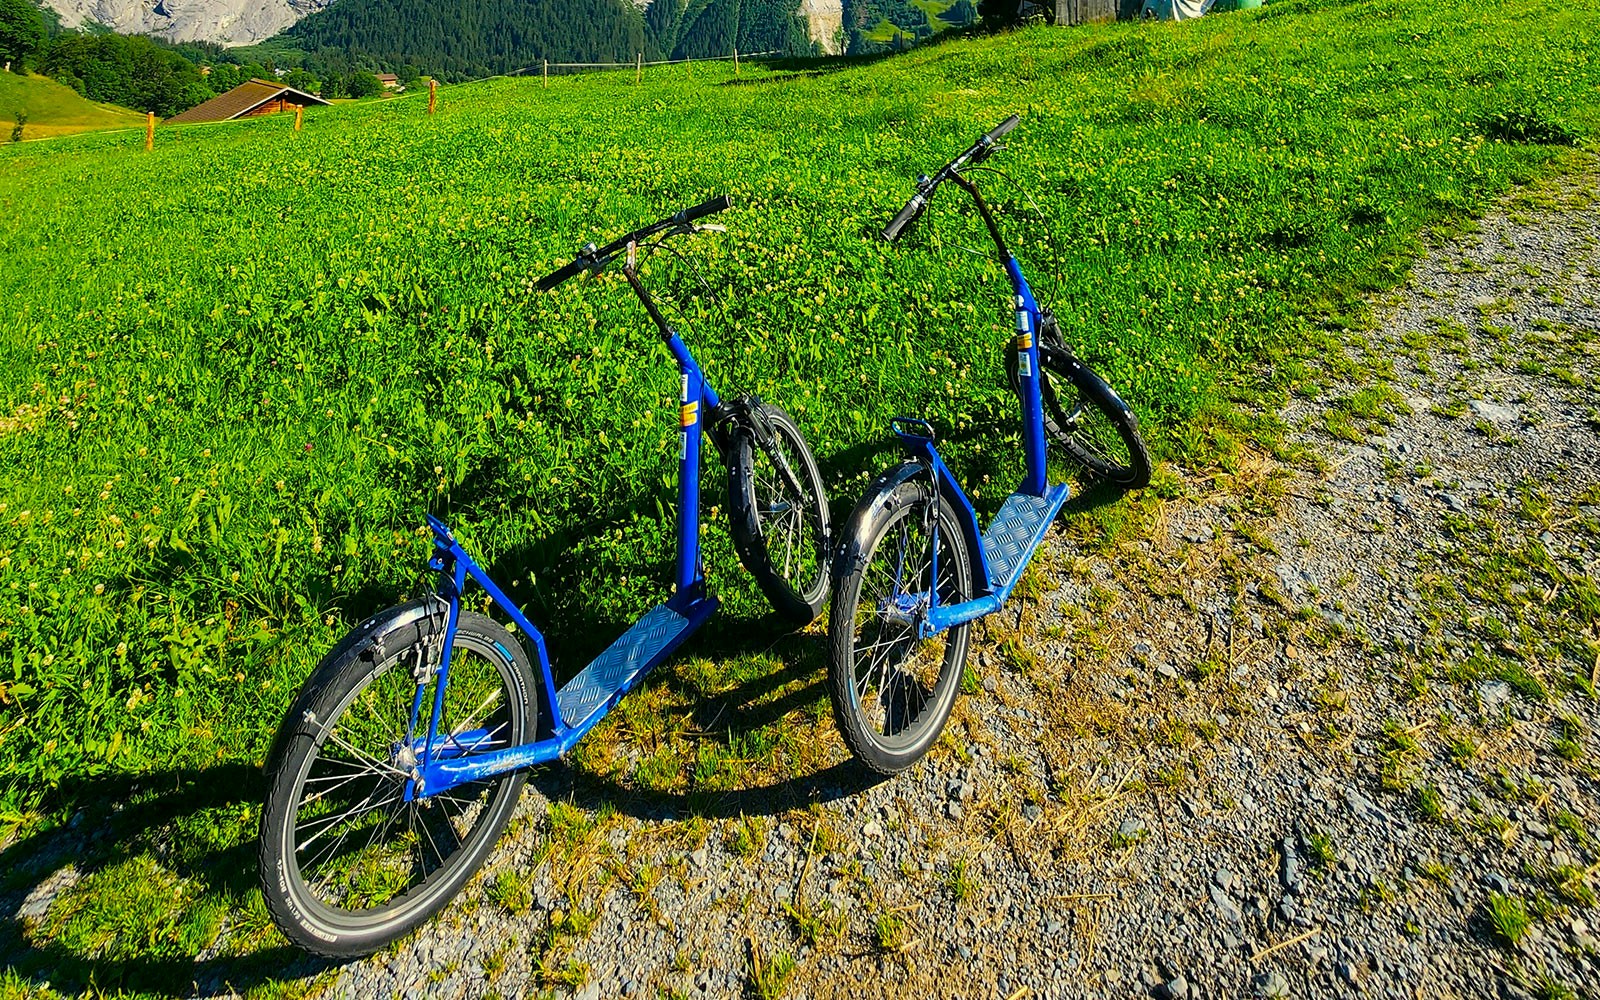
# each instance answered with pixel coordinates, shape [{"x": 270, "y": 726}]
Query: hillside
[
  {"x": 56, "y": 110},
  {"x": 239, "y": 370},
  {"x": 458, "y": 39}
]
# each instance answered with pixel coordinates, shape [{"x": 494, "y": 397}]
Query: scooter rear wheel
[{"x": 1087, "y": 419}]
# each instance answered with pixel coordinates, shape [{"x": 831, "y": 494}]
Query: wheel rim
[
  {"x": 1095, "y": 439},
  {"x": 790, "y": 530},
  {"x": 356, "y": 849},
  {"x": 898, "y": 681}
]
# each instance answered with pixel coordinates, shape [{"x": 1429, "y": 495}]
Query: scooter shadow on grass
[
  {"x": 741, "y": 711},
  {"x": 119, "y": 819}
]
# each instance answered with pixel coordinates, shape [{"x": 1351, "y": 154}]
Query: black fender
[
  {"x": 876, "y": 501},
  {"x": 371, "y": 640}
]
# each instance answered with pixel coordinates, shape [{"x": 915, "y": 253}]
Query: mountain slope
[
  {"x": 231, "y": 22},
  {"x": 460, "y": 38}
]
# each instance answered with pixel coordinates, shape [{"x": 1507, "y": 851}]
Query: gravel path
[{"x": 1306, "y": 741}]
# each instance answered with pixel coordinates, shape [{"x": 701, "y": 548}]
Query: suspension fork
[{"x": 433, "y": 662}]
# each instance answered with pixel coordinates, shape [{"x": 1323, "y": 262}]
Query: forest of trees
[{"x": 458, "y": 39}]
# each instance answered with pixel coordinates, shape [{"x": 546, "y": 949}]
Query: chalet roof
[{"x": 244, "y": 98}]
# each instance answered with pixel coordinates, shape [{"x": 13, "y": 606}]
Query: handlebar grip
[
  {"x": 556, "y": 277},
  {"x": 907, "y": 216},
  {"x": 1002, "y": 128},
  {"x": 718, "y": 204}
]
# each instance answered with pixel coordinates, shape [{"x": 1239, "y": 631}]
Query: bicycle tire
[
  {"x": 353, "y": 671},
  {"x": 1095, "y": 426},
  {"x": 793, "y": 573},
  {"x": 914, "y": 710}
]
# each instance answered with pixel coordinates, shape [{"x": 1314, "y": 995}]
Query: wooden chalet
[
  {"x": 247, "y": 100},
  {"x": 389, "y": 81}
]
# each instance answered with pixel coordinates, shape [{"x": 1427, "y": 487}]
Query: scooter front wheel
[
  {"x": 892, "y": 690},
  {"x": 778, "y": 513},
  {"x": 347, "y": 863}
]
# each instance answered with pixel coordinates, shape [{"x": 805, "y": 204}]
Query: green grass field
[
  {"x": 54, "y": 110},
  {"x": 240, "y": 369}
]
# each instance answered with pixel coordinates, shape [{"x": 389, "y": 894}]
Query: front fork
[
  {"x": 433, "y": 661},
  {"x": 747, "y": 412}
]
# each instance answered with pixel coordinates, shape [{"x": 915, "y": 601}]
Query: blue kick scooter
[
  {"x": 913, "y": 568},
  {"x": 402, "y": 758}
]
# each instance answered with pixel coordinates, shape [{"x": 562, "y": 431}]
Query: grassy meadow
[
  {"x": 51, "y": 109},
  {"x": 237, "y": 371}
]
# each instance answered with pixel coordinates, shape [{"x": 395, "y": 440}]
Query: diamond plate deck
[
  {"x": 615, "y": 670},
  {"x": 1013, "y": 533}
]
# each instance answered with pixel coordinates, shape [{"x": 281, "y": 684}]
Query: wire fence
[{"x": 639, "y": 64}]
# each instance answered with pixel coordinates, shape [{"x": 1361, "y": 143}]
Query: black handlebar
[
  {"x": 926, "y": 186},
  {"x": 593, "y": 257},
  {"x": 561, "y": 274},
  {"x": 911, "y": 213},
  {"x": 720, "y": 203},
  {"x": 1000, "y": 130}
]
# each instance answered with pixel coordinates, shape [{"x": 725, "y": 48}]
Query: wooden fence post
[
  {"x": 638, "y": 69},
  {"x": 433, "y": 89},
  {"x": 736, "y": 60},
  {"x": 546, "y": 73},
  {"x": 299, "y": 113},
  {"x": 149, "y": 130}
]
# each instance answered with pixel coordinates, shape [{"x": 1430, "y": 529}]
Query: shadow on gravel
[
  {"x": 120, "y": 926},
  {"x": 839, "y": 781}
]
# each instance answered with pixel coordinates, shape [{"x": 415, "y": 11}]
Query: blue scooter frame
[
  {"x": 578, "y": 706},
  {"x": 582, "y": 702},
  {"x": 1001, "y": 554}
]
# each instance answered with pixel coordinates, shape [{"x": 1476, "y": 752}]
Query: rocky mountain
[
  {"x": 825, "y": 23},
  {"x": 231, "y": 22}
]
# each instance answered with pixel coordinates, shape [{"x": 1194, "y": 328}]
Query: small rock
[
  {"x": 1226, "y": 906},
  {"x": 1354, "y": 973},
  {"x": 1364, "y": 807},
  {"x": 952, "y": 809},
  {"x": 39, "y": 898},
  {"x": 1289, "y": 870},
  {"x": 1495, "y": 413},
  {"x": 872, "y": 829},
  {"x": 1131, "y": 829},
  {"x": 699, "y": 857},
  {"x": 1176, "y": 988},
  {"x": 1031, "y": 811},
  {"x": 1270, "y": 984},
  {"x": 960, "y": 791},
  {"x": 1225, "y": 879},
  {"x": 1143, "y": 648}
]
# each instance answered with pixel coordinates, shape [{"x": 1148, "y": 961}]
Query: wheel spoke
[{"x": 358, "y": 844}]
